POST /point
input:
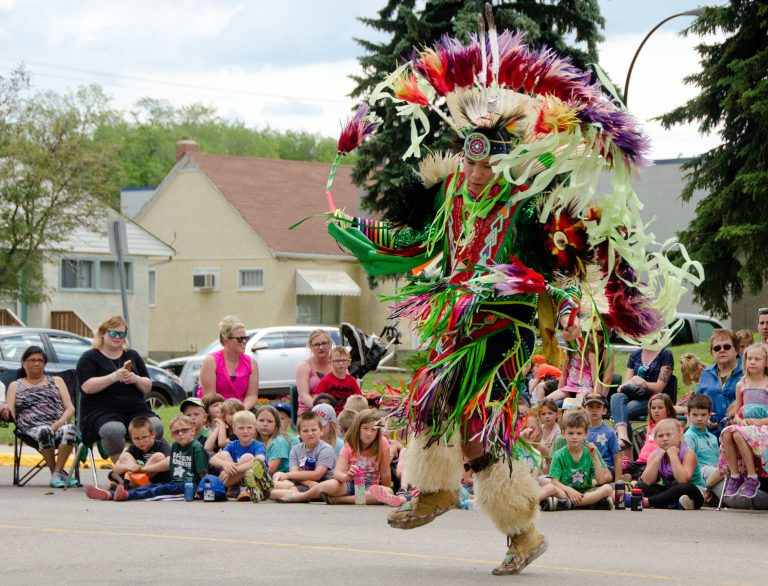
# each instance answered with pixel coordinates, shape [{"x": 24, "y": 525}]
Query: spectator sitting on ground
[
  {"x": 212, "y": 404},
  {"x": 659, "y": 407},
  {"x": 744, "y": 339},
  {"x": 648, "y": 372},
  {"x": 718, "y": 382},
  {"x": 331, "y": 433},
  {"x": 702, "y": 441},
  {"x": 222, "y": 433},
  {"x": 345, "y": 419},
  {"x": 603, "y": 435},
  {"x": 690, "y": 369},
  {"x": 310, "y": 462},
  {"x": 672, "y": 478},
  {"x": 574, "y": 468},
  {"x": 195, "y": 410},
  {"x": 188, "y": 460},
  {"x": 269, "y": 431},
  {"x": 243, "y": 461},
  {"x": 338, "y": 383},
  {"x": 544, "y": 379},
  {"x": 146, "y": 454},
  {"x": 286, "y": 420},
  {"x": 356, "y": 403},
  {"x": 366, "y": 450},
  {"x": 550, "y": 431},
  {"x": 324, "y": 399}
]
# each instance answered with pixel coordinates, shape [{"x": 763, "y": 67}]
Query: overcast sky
[{"x": 286, "y": 64}]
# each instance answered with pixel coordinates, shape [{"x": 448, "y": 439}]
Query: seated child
[
  {"x": 744, "y": 339},
  {"x": 366, "y": 449},
  {"x": 690, "y": 368},
  {"x": 286, "y": 420},
  {"x": 345, "y": 419},
  {"x": 188, "y": 459},
  {"x": 331, "y": 434},
  {"x": 671, "y": 478},
  {"x": 146, "y": 454},
  {"x": 338, "y": 383},
  {"x": 243, "y": 461},
  {"x": 578, "y": 474},
  {"x": 698, "y": 437},
  {"x": 545, "y": 378},
  {"x": 269, "y": 431},
  {"x": 355, "y": 403},
  {"x": 603, "y": 435},
  {"x": 659, "y": 407},
  {"x": 221, "y": 434},
  {"x": 212, "y": 403},
  {"x": 550, "y": 431},
  {"x": 310, "y": 462},
  {"x": 194, "y": 408}
]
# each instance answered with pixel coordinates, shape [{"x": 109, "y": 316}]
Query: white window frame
[
  {"x": 152, "y": 288},
  {"x": 96, "y": 260},
  {"x": 204, "y": 271},
  {"x": 239, "y": 275}
]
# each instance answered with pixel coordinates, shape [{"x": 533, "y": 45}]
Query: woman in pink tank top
[
  {"x": 229, "y": 371},
  {"x": 311, "y": 371}
]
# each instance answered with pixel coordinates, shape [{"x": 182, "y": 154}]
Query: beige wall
[{"x": 207, "y": 232}]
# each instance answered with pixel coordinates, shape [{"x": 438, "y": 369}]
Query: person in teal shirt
[{"x": 270, "y": 432}]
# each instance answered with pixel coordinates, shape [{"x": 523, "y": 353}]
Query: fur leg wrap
[
  {"x": 510, "y": 500},
  {"x": 437, "y": 467}
]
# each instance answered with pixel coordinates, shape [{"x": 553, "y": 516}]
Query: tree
[
  {"x": 379, "y": 166},
  {"x": 53, "y": 178},
  {"x": 730, "y": 228}
]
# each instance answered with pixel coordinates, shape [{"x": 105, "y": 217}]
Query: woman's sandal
[{"x": 327, "y": 499}]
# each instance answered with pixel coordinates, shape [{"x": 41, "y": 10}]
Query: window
[
  {"x": 12, "y": 347},
  {"x": 704, "y": 330},
  {"x": 274, "y": 341},
  {"x": 94, "y": 274},
  {"x": 318, "y": 309},
  {"x": 296, "y": 339},
  {"x": 250, "y": 279},
  {"x": 152, "y": 288},
  {"x": 67, "y": 348}
]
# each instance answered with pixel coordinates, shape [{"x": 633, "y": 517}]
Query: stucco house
[{"x": 228, "y": 220}]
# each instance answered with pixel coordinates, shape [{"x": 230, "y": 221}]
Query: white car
[{"x": 278, "y": 351}]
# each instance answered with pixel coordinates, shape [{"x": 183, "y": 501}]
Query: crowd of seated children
[{"x": 311, "y": 460}]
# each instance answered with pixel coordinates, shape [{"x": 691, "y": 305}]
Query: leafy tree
[
  {"x": 547, "y": 22},
  {"x": 730, "y": 229},
  {"x": 53, "y": 177}
]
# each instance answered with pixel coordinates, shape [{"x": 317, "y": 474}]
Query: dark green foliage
[
  {"x": 379, "y": 166},
  {"x": 730, "y": 229}
]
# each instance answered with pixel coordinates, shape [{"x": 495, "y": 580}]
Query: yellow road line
[
  {"x": 330, "y": 548},
  {"x": 30, "y": 461}
]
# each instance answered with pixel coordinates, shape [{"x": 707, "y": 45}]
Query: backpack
[{"x": 219, "y": 490}]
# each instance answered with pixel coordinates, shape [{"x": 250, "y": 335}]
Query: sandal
[{"x": 327, "y": 499}]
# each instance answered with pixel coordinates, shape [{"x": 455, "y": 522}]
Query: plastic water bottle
[
  {"x": 636, "y": 503},
  {"x": 208, "y": 495},
  {"x": 189, "y": 488},
  {"x": 310, "y": 464},
  {"x": 359, "y": 486},
  {"x": 619, "y": 496}
]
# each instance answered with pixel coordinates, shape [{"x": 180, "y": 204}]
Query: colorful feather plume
[
  {"x": 361, "y": 124},
  {"x": 515, "y": 278},
  {"x": 406, "y": 87}
]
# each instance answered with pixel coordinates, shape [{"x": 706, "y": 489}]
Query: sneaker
[
  {"x": 549, "y": 504},
  {"x": 750, "y": 486},
  {"x": 686, "y": 502},
  {"x": 254, "y": 493},
  {"x": 97, "y": 494},
  {"x": 58, "y": 480},
  {"x": 244, "y": 494},
  {"x": 70, "y": 480},
  {"x": 261, "y": 477},
  {"x": 383, "y": 496},
  {"x": 233, "y": 492},
  {"x": 732, "y": 485},
  {"x": 564, "y": 505},
  {"x": 605, "y": 504},
  {"x": 120, "y": 493}
]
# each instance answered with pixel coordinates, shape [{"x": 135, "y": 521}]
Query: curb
[{"x": 30, "y": 461}]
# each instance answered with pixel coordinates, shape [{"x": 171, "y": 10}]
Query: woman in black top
[{"x": 114, "y": 381}]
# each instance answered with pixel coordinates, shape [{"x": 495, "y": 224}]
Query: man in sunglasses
[{"x": 718, "y": 382}]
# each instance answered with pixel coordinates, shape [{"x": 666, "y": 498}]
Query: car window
[
  {"x": 274, "y": 341},
  {"x": 68, "y": 348},
  {"x": 13, "y": 346},
  {"x": 684, "y": 335},
  {"x": 296, "y": 339},
  {"x": 336, "y": 337},
  {"x": 704, "y": 329}
]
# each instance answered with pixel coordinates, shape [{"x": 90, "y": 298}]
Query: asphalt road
[{"x": 50, "y": 536}]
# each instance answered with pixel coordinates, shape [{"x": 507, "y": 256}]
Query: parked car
[
  {"x": 278, "y": 351},
  {"x": 695, "y": 328},
  {"x": 63, "y": 350}
]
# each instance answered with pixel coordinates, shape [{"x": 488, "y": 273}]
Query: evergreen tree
[
  {"x": 379, "y": 165},
  {"x": 730, "y": 229}
]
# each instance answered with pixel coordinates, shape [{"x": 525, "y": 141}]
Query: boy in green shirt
[{"x": 574, "y": 470}]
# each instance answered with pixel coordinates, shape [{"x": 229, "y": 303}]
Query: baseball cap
[
  {"x": 595, "y": 398},
  {"x": 326, "y": 412},
  {"x": 539, "y": 359},
  {"x": 282, "y": 407},
  {"x": 191, "y": 401}
]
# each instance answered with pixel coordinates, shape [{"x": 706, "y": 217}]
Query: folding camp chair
[{"x": 82, "y": 451}]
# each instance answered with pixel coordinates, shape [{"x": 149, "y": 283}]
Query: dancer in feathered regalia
[{"x": 508, "y": 233}]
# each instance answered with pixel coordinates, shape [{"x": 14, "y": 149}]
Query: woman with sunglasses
[
  {"x": 311, "y": 371},
  {"x": 114, "y": 380},
  {"x": 43, "y": 410},
  {"x": 229, "y": 371},
  {"x": 718, "y": 382}
]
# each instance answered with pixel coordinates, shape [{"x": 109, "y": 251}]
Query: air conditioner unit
[{"x": 204, "y": 281}]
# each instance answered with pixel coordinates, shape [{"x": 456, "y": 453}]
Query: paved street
[{"x": 63, "y": 537}]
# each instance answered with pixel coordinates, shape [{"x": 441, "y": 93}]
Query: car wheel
[{"x": 155, "y": 400}]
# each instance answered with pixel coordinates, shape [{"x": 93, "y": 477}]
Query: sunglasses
[
  {"x": 240, "y": 339},
  {"x": 115, "y": 335},
  {"x": 719, "y": 347}
]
